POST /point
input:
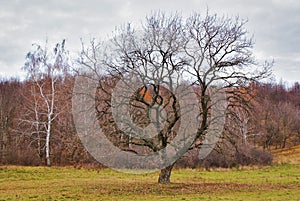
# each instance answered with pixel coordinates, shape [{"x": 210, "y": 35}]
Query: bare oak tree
[{"x": 201, "y": 52}]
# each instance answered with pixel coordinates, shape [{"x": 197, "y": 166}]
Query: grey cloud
[{"x": 275, "y": 24}]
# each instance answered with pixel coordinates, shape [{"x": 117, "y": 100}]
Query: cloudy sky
[{"x": 274, "y": 23}]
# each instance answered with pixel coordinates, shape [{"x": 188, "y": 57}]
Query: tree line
[{"x": 272, "y": 123}]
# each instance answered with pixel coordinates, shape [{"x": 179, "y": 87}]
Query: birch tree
[{"x": 45, "y": 69}]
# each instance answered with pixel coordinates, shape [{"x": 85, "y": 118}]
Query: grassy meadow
[{"x": 279, "y": 182}]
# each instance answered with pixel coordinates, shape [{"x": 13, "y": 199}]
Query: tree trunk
[
  {"x": 165, "y": 174},
  {"x": 48, "y": 148}
]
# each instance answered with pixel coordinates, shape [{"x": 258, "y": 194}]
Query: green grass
[{"x": 280, "y": 182}]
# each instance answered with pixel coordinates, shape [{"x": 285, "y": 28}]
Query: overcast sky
[{"x": 274, "y": 23}]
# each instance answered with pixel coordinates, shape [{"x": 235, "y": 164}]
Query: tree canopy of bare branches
[
  {"x": 206, "y": 53},
  {"x": 45, "y": 69}
]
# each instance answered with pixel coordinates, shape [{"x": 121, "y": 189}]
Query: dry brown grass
[{"x": 287, "y": 156}]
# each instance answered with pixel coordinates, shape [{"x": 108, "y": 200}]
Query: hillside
[{"x": 288, "y": 155}]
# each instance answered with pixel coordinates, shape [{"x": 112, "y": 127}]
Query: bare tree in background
[
  {"x": 10, "y": 99},
  {"x": 202, "y": 52},
  {"x": 45, "y": 69}
]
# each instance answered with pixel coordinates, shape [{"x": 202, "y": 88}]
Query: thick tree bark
[{"x": 165, "y": 174}]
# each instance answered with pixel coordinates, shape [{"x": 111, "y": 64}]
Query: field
[
  {"x": 280, "y": 182},
  {"x": 277, "y": 182}
]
